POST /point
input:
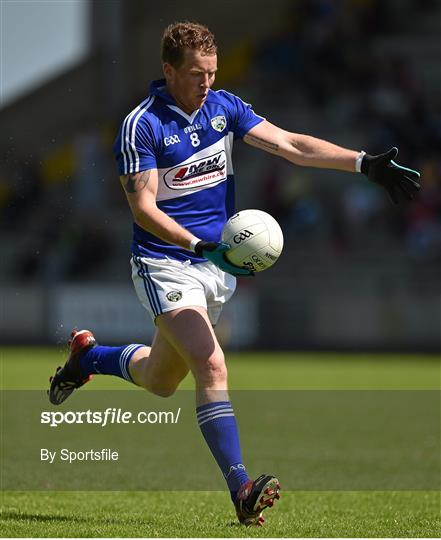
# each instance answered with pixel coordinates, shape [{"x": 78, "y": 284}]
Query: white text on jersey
[
  {"x": 194, "y": 127},
  {"x": 173, "y": 139}
]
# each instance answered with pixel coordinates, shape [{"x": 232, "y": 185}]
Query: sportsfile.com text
[{"x": 108, "y": 417}]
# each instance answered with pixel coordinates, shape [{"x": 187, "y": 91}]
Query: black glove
[
  {"x": 215, "y": 252},
  {"x": 398, "y": 181}
]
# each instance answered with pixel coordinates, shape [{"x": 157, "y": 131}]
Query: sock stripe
[
  {"x": 109, "y": 360},
  {"x": 209, "y": 414},
  {"x": 203, "y": 412},
  {"x": 213, "y": 405},
  {"x": 123, "y": 360},
  {"x": 220, "y": 415},
  {"x": 125, "y": 357}
]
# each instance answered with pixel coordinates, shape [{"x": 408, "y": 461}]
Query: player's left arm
[
  {"x": 309, "y": 151},
  {"x": 300, "y": 149}
]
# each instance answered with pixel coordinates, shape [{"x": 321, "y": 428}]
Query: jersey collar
[{"x": 158, "y": 88}]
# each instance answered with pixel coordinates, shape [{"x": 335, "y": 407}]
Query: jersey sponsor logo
[
  {"x": 243, "y": 235},
  {"x": 198, "y": 173},
  {"x": 218, "y": 123},
  {"x": 174, "y": 296},
  {"x": 173, "y": 139}
]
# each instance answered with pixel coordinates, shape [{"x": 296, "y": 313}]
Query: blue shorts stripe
[
  {"x": 147, "y": 289},
  {"x": 152, "y": 287}
]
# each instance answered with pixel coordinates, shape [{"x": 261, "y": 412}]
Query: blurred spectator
[
  {"x": 22, "y": 190},
  {"x": 424, "y": 215},
  {"x": 90, "y": 249},
  {"x": 89, "y": 193}
]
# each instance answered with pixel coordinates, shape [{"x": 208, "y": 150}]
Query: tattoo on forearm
[
  {"x": 136, "y": 182},
  {"x": 263, "y": 143}
]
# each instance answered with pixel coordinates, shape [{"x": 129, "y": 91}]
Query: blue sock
[
  {"x": 219, "y": 428},
  {"x": 108, "y": 361}
]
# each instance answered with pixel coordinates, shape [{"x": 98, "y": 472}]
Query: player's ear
[{"x": 168, "y": 70}]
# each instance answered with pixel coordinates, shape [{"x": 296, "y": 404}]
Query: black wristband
[
  {"x": 365, "y": 162},
  {"x": 199, "y": 247},
  {"x": 202, "y": 245}
]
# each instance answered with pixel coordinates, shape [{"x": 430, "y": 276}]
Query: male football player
[{"x": 174, "y": 157}]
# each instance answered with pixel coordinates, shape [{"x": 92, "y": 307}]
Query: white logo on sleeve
[
  {"x": 173, "y": 139},
  {"x": 218, "y": 123}
]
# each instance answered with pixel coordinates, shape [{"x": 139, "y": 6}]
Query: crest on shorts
[
  {"x": 174, "y": 296},
  {"x": 218, "y": 123}
]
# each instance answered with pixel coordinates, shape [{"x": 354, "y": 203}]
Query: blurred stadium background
[{"x": 357, "y": 273}]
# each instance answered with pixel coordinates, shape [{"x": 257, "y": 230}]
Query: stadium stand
[{"x": 333, "y": 69}]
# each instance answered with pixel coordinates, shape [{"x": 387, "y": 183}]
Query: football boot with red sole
[
  {"x": 253, "y": 497},
  {"x": 68, "y": 377}
]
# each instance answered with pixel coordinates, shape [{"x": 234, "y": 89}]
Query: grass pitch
[
  {"x": 202, "y": 514},
  {"x": 210, "y": 514}
]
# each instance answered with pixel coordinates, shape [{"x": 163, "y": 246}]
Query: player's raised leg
[
  {"x": 160, "y": 372},
  {"x": 190, "y": 332},
  {"x": 87, "y": 358}
]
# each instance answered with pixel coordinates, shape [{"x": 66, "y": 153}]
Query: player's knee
[
  {"x": 162, "y": 388},
  {"x": 163, "y": 391},
  {"x": 213, "y": 371},
  {"x": 158, "y": 386}
]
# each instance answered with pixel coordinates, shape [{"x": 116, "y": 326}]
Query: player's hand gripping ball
[{"x": 256, "y": 240}]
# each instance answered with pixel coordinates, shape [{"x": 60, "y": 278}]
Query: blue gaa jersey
[{"x": 192, "y": 154}]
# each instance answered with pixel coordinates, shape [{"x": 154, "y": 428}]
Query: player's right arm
[{"x": 140, "y": 189}]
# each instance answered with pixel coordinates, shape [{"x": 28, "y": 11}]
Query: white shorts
[{"x": 165, "y": 284}]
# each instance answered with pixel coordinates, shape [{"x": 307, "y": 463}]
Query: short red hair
[{"x": 186, "y": 35}]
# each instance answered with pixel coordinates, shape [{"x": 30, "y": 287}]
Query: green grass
[
  {"x": 210, "y": 514},
  {"x": 202, "y": 514}
]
